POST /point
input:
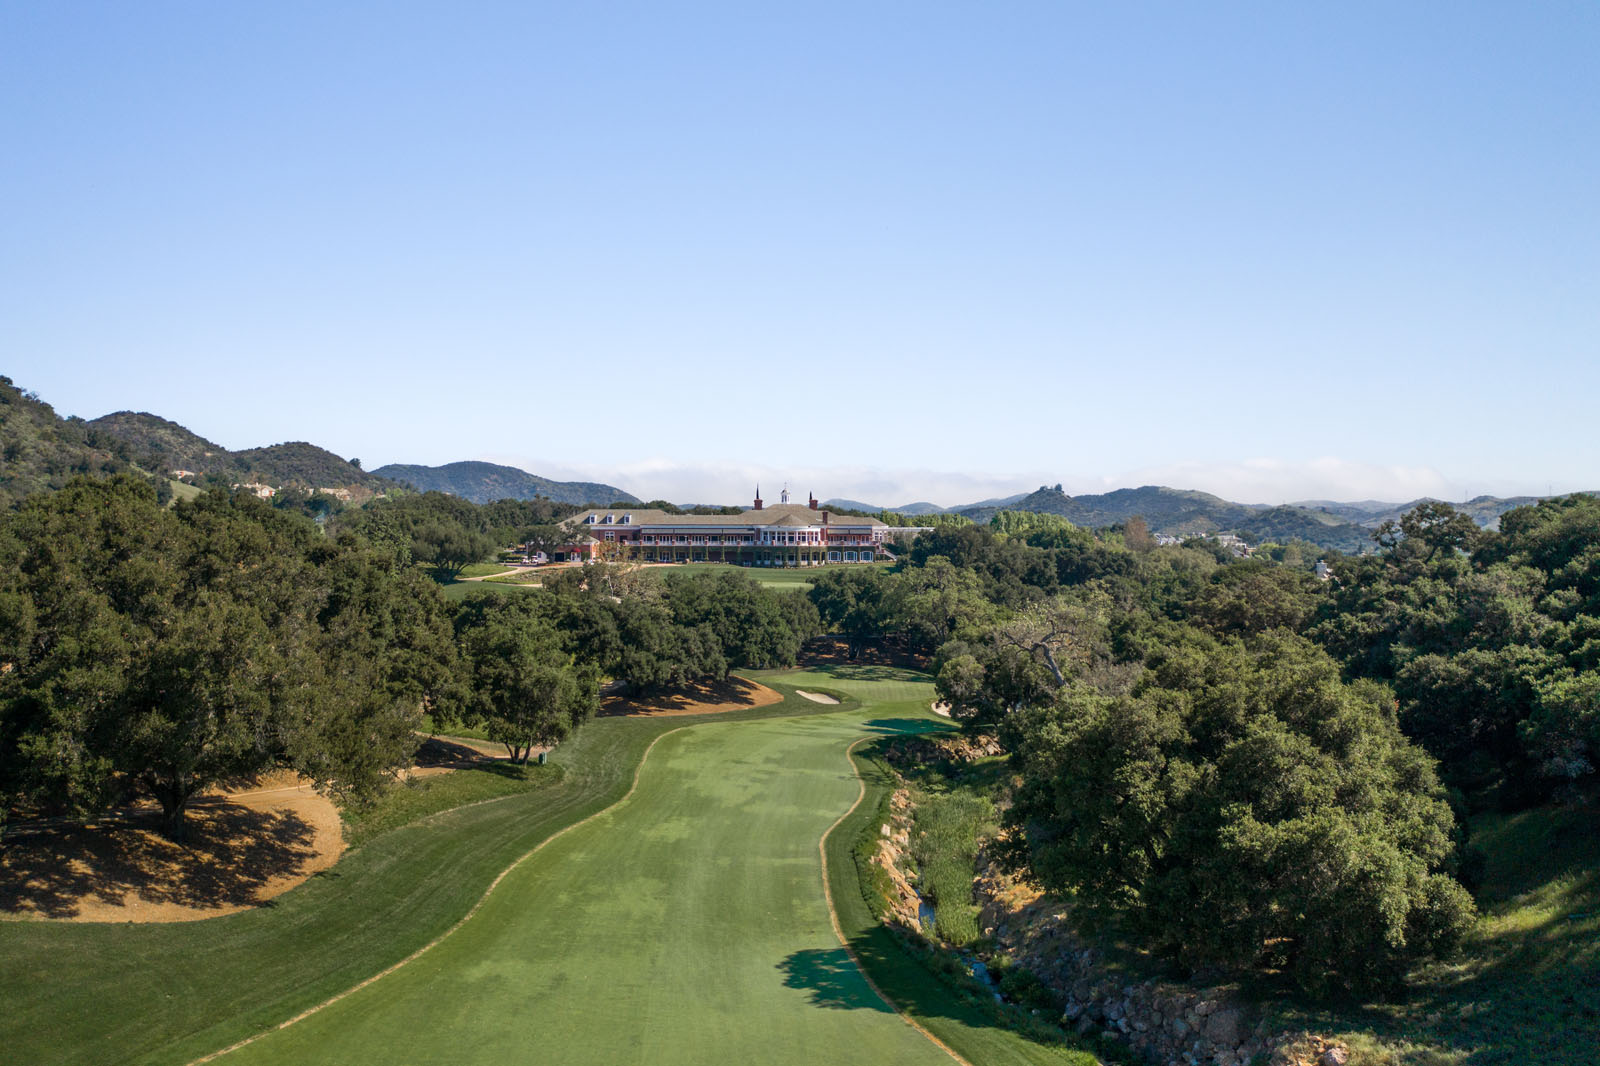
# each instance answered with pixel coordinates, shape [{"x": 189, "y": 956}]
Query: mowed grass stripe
[
  {"x": 90, "y": 994},
  {"x": 168, "y": 994},
  {"x": 487, "y": 892},
  {"x": 685, "y": 925}
]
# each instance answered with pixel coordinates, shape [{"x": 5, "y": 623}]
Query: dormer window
[
  {"x": 626, "y": 519},
  {"x": 591, "y": 519},
  {"x": 610, "y": 519}
]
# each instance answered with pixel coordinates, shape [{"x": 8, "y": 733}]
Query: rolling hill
[
  {"x": 40, "y": 450},
  {"x": 164, "y": 446},
  {"x": 485, "y": 482},
  {"x": 1178, "y": 512}
]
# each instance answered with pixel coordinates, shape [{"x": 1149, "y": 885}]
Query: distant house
[
  {"x": 266, "y": 492},
  {"x": 338, "y": 494},
  {"x": 1233, "y": 543},
  {"x": 181, "y": 474},
  {"x": 1323, "y": 570}
]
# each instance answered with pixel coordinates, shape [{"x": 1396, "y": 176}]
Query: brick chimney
[
  {"x": 758, "y": 497},
  {"x": 813, "y": 501}
]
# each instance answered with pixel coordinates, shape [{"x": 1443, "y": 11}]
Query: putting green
[{"x": 685, "y": 924}]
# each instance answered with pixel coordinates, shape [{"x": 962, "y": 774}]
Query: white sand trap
[
  {"x": 941, "y": 708},
  {"x": 815, "y": 697}
]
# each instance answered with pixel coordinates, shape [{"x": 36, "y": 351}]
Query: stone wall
[{"x": 1169, "y": 1023}]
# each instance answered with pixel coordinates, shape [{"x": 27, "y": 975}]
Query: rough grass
[
  {"x": 519, "y": 577},
  {"x": 946, "y": 825},
  {"x": 796, "y": 580},
  {"x": 1525, "y": 987}
]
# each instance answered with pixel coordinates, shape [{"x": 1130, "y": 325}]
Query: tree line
[
  {"x": 1250, "y": 769},
  {"x": 155, "y": 650}
]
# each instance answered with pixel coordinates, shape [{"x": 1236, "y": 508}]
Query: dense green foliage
[
  {"x": 171, "y": 648},
  {"x": 525, "y": 689},
  {"x": 1243, "y": 808},
  {"x": 448, "y": 533},
  {"x": 1239, "y": 762},
  {"x": 39, "y": 450},
  {"x": 1491, "y": 641}
]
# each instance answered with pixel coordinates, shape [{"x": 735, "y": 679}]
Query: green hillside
[
  {"x": 164, "y": 445},
  {"x": 40, "y": 450},
  {"x": 1181, "y": 512},
  {"x": 487, "y": 482}
]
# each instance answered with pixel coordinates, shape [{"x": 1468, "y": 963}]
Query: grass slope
[
  {"x": 94, "y": 993},
  {"x": 685, "y": 924}
]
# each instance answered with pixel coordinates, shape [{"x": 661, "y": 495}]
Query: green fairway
[{"x": 686, "y": 923}]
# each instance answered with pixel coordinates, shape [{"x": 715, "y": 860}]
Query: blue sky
[{"x": 889, "y": 251}]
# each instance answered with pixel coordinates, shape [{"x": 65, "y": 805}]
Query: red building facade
[{"x": 782, "y": 535}]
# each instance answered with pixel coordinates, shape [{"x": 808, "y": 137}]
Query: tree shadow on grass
[
  {"x": 832, "y": 979},
  {"x": 899, "y": 727},
  {"x": 232, "y": 852}
]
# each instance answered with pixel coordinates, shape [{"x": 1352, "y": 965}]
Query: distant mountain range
[
  {"x": 1345, "y": 527},
  {"x": 40, "y": 451},
  {"x": 484, "y": 482}
]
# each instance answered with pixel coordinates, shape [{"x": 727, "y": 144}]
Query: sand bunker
[
  {"x": 941, "y": 708},
  {"x": 244, "y": 848},
  {"x": 815, "y": 697}
]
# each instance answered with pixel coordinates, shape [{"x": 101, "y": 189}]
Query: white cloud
[
  {"x": 1258, "y": 480},
  {"x": 735, "y": 482}
]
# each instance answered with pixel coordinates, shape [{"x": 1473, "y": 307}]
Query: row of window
[{"x": 699, "y": 557}]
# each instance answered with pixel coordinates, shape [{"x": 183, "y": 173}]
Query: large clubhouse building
[{"x": 787, "y": 534}]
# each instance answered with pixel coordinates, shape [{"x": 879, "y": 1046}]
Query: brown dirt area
[
  {"x": 245, "y": 846},
  {"x": 706, "y": 697}
]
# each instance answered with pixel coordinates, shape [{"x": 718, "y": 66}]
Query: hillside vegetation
[
  {"x": 1366, "y": 802},
  {"x": 165, "y": 446},
  {"x": 40, "y": 450},
  {"x": 485, "y": 482}
]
